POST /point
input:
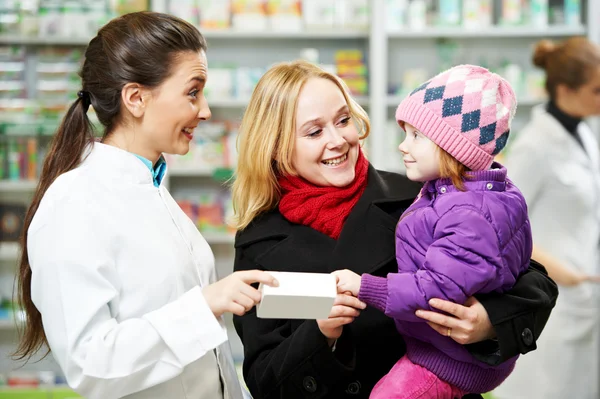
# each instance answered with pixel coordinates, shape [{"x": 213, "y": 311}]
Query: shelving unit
[
  {"x": 494, "y": 31},
  {"x": 388, "y": 55}
]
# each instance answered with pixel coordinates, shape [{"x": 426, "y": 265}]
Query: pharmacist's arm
[
  {"x": 282, "y": 356},
  {"x": 75, "y": 284}
]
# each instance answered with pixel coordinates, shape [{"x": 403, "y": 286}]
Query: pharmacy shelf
[
  {"x": 224, "y": 34},
  {"x": 219, "y": 238},
  {"x": 17, "y": 185},
  {"x": 9, "y": 251},
  {"x": 190, "y": 172},
  {"x": 311, "y": 34},
  {"x": 7, "y": 324},
  {"x": 428, "y": 32},
  {"x": 494, "y": 31}
]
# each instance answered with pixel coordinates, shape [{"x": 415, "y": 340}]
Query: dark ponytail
[
  {"x": 139, "y": 47},
  {"x": 73, "y": 135}
]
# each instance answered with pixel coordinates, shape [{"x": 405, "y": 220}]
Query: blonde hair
[{"x": 267, "y": 136}]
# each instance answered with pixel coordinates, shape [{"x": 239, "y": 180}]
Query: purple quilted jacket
[{"x": 451, "y": 244}]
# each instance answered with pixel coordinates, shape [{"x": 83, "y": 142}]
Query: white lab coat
[
  {"x": 117, "y": 272},
  {"x": 561, "y": 184}
]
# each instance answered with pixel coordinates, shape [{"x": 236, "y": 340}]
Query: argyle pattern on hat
[{"x": 466, "y": 110}]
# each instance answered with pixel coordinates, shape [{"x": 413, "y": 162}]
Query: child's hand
[{"x": 347, "y": 281}]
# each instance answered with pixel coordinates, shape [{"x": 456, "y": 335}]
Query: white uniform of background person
[
  {"x": 117, "y": 271},
  {"x": 561, "y": 184}
]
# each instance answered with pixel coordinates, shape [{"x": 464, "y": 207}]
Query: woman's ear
[{"x": 134, "y": 96}]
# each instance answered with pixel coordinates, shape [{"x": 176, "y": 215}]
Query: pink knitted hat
[{"x": 466, "y": 110}]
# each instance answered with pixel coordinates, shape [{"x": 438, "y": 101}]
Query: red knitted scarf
[{"x": 325, "y": 209}]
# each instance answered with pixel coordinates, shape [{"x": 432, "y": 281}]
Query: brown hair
[
  {"x": 569, "y": 63},
  {"x": 140, "y": 47},
  {"x": 452, "y": 169}
]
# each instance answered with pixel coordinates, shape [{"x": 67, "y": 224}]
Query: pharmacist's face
[
  {"x": 177, "y": 106},
  {"x": 327, "y": 141},
  {"x": 420, "y": 155},
  {"x": 586, "y": 98}
]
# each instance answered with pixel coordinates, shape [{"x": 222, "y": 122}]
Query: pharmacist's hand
[
  {"x": 234, "y": 294},
  {"x": 575, "y": 278},
  {"x": 465, "y": 324},
  {"x": 345, "y": 309},
  {"x": 347, "y": 281}
]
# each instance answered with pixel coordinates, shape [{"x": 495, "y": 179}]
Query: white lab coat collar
[{"x": 113, "y": 162}]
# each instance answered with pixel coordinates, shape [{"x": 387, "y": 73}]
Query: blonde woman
[{"x": 307, "y": 200}]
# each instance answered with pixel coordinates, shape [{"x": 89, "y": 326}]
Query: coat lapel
[{"x": 367, "y": 241}]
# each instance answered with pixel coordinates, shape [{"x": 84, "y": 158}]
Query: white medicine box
[{"x": 298, "y": 296}]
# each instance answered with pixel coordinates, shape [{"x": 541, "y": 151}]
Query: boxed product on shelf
[
  {"x": 208, "y": 208},
  {"x": 319, "y": 14},
  {"x": 334, "y": 14},
  {"x": 249, "y": 15},
  {"x": 449, "y": 12},
  {"x": 477, "y": 14},
  {"x": 355, "y": 14},
  {"x": 221, "y": 85},
  {"x": 213, "y": 146},
  {"x": 284, "y": 15},
  {"x": 19, "y": 158},
  {"x": 214, "y": 14},
  {"x": 12, "y": 71},
  {"x": 350, "y": 66},
  {"x": 9, "y": 17},
  {"x": 127, "y": 6},
  {"x": 185, "y": 9},
  {"x": 395, "y": 15},
  {"x": 246, "y": 79}
]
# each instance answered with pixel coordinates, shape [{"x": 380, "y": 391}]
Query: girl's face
[
  {"x": 420, "y": 156},
  {"x": 327, "y": 140}
]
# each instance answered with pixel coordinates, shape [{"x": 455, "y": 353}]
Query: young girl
[{"x": 467, "y": 232}]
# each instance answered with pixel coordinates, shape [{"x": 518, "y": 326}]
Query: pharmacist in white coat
[
  {"x": 115, "y": 279},
  {"x": 556, "y": 163}
]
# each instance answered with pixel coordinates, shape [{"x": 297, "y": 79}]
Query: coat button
[
  {"x": 527, "y": 336},
  {"x": 310, "y": 384},
  {"x": 443, "y": 190},
  {"x": 489, "y": 186},
  {"x": 353, "y": 388}
]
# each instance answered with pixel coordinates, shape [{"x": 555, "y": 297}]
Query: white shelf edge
[
  {"x": 270, "y": 34},
  {"x": 8, "y": 324},
  {"x": 495, "y": 31},
  {"x": 209, "y": 34},
  {"x": 218, "y": 238},
  {"x": 18, "y": 185},
  {"x": 189, "y": 172}
]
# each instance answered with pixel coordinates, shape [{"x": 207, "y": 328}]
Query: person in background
[
  {"x": 306, "y": 199},
  {"x": 114, "y": 278},
  {"x": 467, "y": 233},
  {"x": 556, "y": 163}
]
